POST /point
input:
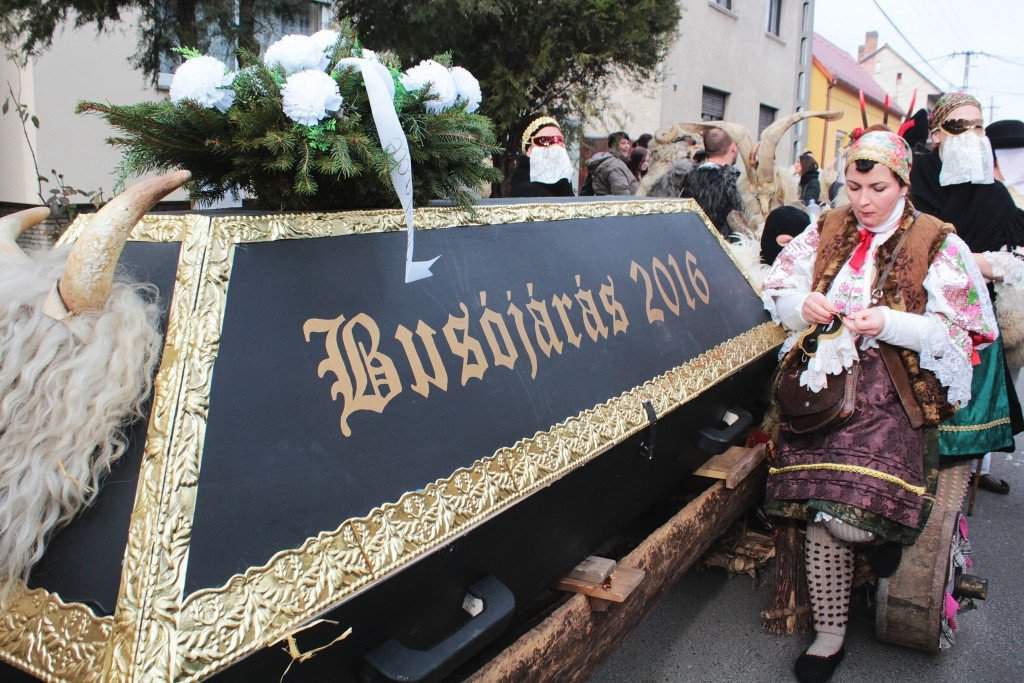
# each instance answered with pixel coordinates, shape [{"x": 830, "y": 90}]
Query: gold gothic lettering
[
  {"x": 374, "y": 380},
  {"x": 593, "y": 325},
  {"x": 517, "y": 316},
  {"x": 474, "y": 363},
  {"x": 547, "y": 338},
  {"x": 562, "y": 304},
  {"x": 504, "y": 353},
  {"x": 366, "y": 379},
  {"x": 620, "y": 323},
  {"x": 421, "y": 380}
]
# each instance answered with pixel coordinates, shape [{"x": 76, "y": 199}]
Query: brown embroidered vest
[{"x": 903, "y": 291}]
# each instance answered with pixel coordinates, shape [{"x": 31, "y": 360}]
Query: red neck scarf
[{"x": 861, "y": 252}]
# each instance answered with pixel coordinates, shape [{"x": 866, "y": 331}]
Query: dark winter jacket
[
  {"x": 611, "y": 174},
  {"x": 810, "y": 187}
]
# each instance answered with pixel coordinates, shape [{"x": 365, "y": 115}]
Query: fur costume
[
  {"x": 67, "y": 388},
  {"x": 714, "y": 187},
  {"x": 78, "y": 348}
]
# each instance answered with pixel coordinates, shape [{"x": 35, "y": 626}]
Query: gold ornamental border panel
[{"x": 158, "y": 634}]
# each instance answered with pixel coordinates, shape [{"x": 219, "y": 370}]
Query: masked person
[
  {"x": 866, "y": 482},
  {"x": 713, "y": 184},
  {"x": 954, "y": 181},
  {"x": 544, "y": 169}
]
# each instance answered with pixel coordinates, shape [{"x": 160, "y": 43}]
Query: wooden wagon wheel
[{"x": 910, "y": 603}]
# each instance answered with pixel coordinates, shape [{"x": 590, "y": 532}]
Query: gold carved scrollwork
[
  {"x": 51, "y": 639},
  {"x": 159, "y": 635}
]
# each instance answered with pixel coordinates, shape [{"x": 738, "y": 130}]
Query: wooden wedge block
[
  {"x": 616, "y": 588},
  {"x": 594, "y": 569},
  {"x": 734, "y": 465}
]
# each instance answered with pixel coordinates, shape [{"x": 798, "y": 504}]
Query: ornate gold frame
[{"x": 157, "y": 633}]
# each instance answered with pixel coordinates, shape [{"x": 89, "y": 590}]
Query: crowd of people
[{"x": 889, "y": 295}]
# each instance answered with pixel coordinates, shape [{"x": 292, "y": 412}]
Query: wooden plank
[
  {"x": 616, "y": 588},
  {"x": 594, "y": 569},
  {"x": 733, "y": 465},
  {"x": 570, "y": 643}
]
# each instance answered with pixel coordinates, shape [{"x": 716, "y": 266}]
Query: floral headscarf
[{"x": 885, "y": 148}]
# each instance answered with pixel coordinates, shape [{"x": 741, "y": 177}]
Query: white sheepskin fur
[
  {"x": 747, "y": 251},
  {"x": 67, "y": 389},
  {"x": 1010, "y": 310}
]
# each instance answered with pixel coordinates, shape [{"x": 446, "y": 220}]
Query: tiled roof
[{"x": 844, "y": 68}]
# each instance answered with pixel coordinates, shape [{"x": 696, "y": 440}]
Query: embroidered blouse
[{"x": 958, "y": 316}]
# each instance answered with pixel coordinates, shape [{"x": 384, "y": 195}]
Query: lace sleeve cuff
[{"x": 943, "y": 354}]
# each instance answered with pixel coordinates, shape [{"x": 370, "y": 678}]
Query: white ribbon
[{"x": 380, "y": 90}]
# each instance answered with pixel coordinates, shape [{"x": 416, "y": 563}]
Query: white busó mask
[
  {"x": 966, "y": 158},
  {"x": 550, "y": 164}
]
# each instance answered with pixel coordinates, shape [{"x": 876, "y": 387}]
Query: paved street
[{"x": 706, "y": 628}]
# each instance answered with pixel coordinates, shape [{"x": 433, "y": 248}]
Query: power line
[{"x": 909, "y": 44}]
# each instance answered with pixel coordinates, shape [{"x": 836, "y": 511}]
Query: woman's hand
[
  {"x": 868, "y": 322},
  {"x": 817, "y": 309}
]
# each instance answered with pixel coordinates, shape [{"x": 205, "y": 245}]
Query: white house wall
[
  {"x": 726, "y": 50},
  {"x": 81, "y": 65}
]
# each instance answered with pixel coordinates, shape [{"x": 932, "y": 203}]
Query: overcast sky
[{"x": 938, "y": 28}]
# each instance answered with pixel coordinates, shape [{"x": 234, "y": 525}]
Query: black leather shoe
[
  {"x": 812, "y": 669},
  {"x": 884, "y": 558}
]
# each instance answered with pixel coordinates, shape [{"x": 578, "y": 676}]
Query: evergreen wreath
[{"x": 296, "y": 132}]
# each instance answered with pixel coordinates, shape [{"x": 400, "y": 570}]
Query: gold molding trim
[
  {"x": 159, "y": 528},
  {"x": 152, "y": 228},
  {"x": 53, "y": 640}
]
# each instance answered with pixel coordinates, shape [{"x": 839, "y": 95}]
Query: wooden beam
[{"x": 568, "y": 645}]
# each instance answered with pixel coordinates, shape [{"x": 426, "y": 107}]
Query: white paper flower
[
  {"x": 205, "y": 81},
  {"x": 296, "y": 53},
  {"x": 468, "y": 88},
  {"x": 325, "y": 40},
  {"x": 429, "y": 73},
  {"x": 309, "y": 96}
]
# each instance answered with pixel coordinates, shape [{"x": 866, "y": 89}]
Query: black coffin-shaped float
[{"x": 331, "y": 451}]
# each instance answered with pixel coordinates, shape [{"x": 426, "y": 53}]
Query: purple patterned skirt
[{"x": 874, "y": 462}]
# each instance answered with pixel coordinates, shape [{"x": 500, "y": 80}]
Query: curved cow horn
[
  {"x": 773, "y": 133},
  {"x": 16, "y": 223},
  {"x": 89, "y": 274},
  {"x": 740, "y": 135}
]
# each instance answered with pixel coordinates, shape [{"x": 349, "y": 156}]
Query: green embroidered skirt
[{"x": 983, "y": 425}]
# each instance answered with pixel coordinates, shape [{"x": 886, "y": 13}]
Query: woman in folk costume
[
  {"x": 912, "y": 305},
  {"x": 954, "y": 181}
]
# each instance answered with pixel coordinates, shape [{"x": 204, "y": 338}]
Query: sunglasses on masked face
[
  {"x": 958, "y": 126},
  {"x": 811, "y": 338},
  {"x": 548, "y": 140}
]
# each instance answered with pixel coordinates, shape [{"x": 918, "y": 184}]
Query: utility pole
[
  {"x": 967, "y": 67},
  {"x": 992, "y": 109}
]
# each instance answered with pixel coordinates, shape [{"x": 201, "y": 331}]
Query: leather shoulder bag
[{"x": 801, "y": 410}]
